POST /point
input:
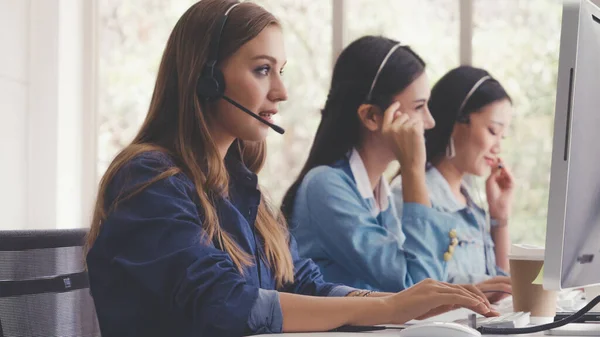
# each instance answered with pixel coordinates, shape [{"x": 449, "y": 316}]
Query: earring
[{"x": 450, "y": 152}]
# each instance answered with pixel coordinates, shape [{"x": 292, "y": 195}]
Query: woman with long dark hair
[
  {"x": 473, "y": 113},
  {"x": 340, "y": 208}
]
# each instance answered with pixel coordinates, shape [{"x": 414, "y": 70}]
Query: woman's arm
[
  {"x": 501, "y": 238},
  {"x": 405, "y": 135},
  {"x": 499, "y": 188},
  {"x": 414, "y": 188},
  {"x": 304, "y": 313}
]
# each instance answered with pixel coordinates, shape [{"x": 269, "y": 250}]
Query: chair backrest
[{"x": 44, "y": 288}]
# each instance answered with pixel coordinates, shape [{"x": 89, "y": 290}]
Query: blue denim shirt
[
  {"x": 357, "y": 244},
  {"x": 152, "y": 274},
  {"x": 474, "y": 259}
]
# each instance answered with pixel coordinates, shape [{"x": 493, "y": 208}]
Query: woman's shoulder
[
  {"x": 154, "y": 159},
  {"x": 148, "y": 167},
  {"x": 143, "y": 165},
  {"x": 432, "y": 181},
  {"x": 325, "y": 175}
]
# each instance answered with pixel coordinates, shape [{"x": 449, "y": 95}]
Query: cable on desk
[{"x": 542, "y": 327}]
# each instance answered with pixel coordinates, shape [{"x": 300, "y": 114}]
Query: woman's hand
[
  {"x": 499, "y": 188},
  {"x": 496, "y": 288},
  {"x": 430, "y": 298},
  {"x": 405, "y": 136}
]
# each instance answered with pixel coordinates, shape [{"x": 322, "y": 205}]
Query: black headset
[{"x": 211, "y": 84}]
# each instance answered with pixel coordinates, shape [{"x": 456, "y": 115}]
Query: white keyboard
[{"x": 510, "y": 320}]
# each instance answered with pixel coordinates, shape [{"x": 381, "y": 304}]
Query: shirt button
[
  {"x": 249, "y": 212},
  {"x": 447, "y": 256},
  {"x": 452, "y": 233}
]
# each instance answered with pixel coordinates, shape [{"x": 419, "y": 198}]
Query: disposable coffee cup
[{"x": 526, "y": 262}]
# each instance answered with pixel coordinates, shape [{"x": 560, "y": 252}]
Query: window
[
  {"x": 307, "y": 34},
  {"x": 132, "y": 37},
  {"x": 430, "y": 27},
  {"x": 518, "y": 41}
]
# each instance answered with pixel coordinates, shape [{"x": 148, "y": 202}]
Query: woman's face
[
  {"x": 477, "y": 143},
  {"x": 413, "y": 101},
  {"x": 253, "y": 79}
]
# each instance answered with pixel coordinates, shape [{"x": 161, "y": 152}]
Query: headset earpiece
[{"x": 211, "y": 84}]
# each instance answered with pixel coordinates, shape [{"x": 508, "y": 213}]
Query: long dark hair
[
  {"x": 176, "y": 124},
  {"x": 353, "y": 74},
  {"x": 447, "y": 96}
]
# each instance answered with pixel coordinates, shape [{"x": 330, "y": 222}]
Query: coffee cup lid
[{"x": 526, "y": 252}]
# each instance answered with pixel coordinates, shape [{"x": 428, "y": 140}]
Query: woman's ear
[
  {"x": 459, "y": 135},
  {"x": 370, "y": 116}
]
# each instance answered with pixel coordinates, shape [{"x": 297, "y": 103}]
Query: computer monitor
[{"x": 572, "y": 255}]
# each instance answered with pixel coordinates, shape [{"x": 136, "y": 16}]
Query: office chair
[{"x": 44, "y": 289}]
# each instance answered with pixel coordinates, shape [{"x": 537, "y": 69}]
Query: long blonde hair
[{"x": 176, "y": 124}]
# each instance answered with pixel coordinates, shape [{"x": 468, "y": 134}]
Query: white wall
[
  {"x": 14, "y": 88},
  {"x": 46, "y": 119}
]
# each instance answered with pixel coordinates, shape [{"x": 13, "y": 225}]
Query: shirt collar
[
  {"x": 440, "y": 193},
  {"x": 363, "y": 184},
  {"x": 238, "y": 171}
]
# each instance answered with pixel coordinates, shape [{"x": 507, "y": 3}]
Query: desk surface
[
  {"x": 390, "y": 333},
  {"x": 447, "y": 317},
  {"x": 504, "y": 306}
]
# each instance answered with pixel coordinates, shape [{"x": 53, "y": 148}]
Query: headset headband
[{"x": 385, "y": 59}]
